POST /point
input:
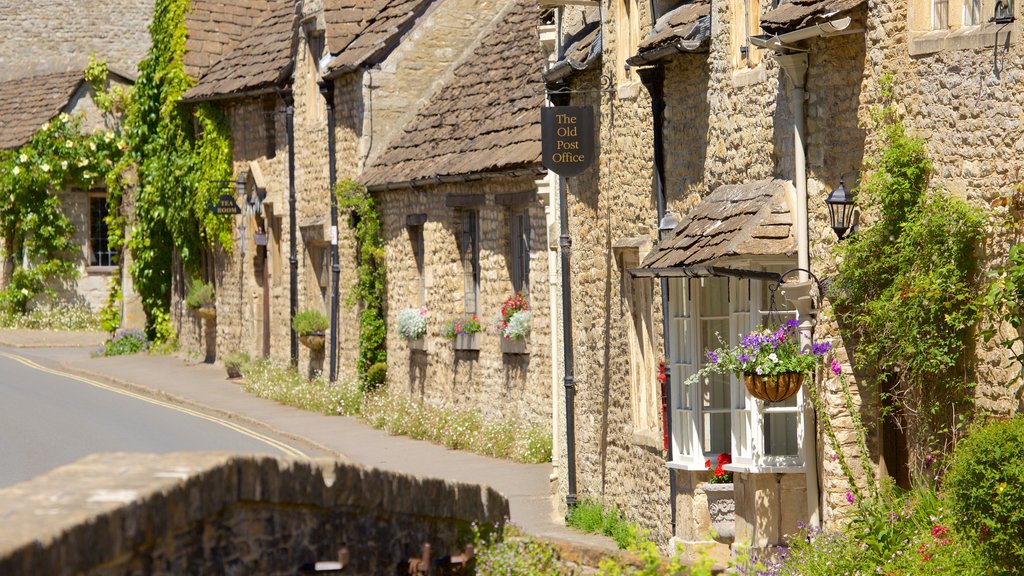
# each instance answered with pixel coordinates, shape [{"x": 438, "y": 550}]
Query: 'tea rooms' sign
[{"x": 567, "y": 138}]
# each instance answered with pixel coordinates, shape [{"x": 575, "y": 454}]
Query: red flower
[
  {"x": 724, "y": 458},
  {"x": 707, "y": 463},
  {"x": 719, "y": 472}
]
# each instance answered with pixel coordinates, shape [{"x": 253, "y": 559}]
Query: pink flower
[
  {"x": 836, "y": 368},
  {"x": 849, "y": 497}
]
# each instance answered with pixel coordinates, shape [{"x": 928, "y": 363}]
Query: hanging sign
[
  {"x": 567, "y": 138},
  {"x": 225, "y": 206}
]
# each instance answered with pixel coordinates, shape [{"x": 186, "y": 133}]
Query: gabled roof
[
  {"x": 582, "y": 49},
  {"x": 684, "y": 29},
  {"x": 28, "y": 103},
  {"x": 360, "y": 31},
  {"x": 743, "y": 220},
  {"x": 259, "y": 62},
  {"x": 485, "y": 118},
  {"x": 796, "y": 14},
  {"x": 214, "y": 27}
]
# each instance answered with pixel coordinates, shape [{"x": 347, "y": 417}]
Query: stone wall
[
  {"x": 54, "y": 35},
  {"x": 209, "y": 513},
  {"x": 498, "y": 386}
]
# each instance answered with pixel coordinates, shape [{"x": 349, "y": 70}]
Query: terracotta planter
[
  {"x": 313, "y": 341},
  {"x": 515, "y": 346},
  {"x": 774, "y": 388},
  {"x": 208, "y": 312},
  {"x": 722, "y": 509}
]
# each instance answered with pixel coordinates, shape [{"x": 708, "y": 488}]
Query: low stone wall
[{"x": 212, "y": 513}]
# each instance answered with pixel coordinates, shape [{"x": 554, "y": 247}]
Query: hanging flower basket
[
  {"x": 775, "y": 387},
  {"x": 313, "y": 341},
  {"x": 208, "y": 312}
]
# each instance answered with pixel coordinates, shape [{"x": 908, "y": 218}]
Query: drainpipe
[
  {"x": 327, "y": 90},
  {"x": 565, "y": 244},
  {"x": 654, "y": 80},
  {"x": 293, "y": 255},
  {"x": 795, "y": 66}
]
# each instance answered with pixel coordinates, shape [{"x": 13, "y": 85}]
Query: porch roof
[
  {"x": 28, "y": 103},
  {"x": 684, "y": 29},
  {"x": 796, "y": 14},
  {"x": 582, "y": 48},
  {"x": 748, "y": 220}
]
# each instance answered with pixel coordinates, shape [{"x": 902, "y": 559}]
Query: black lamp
[
  {"x": 1003, "y": 12},
  {"x": 841, "y": 210}
]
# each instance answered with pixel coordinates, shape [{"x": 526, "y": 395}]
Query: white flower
[
  {"x": 23, "y": 158},
  {"x": 773, "y": 357},
  {"x": 63, "y": 117},
  {"x": 108, "y": 136},
  {"x": 45, "y": 127},
  {"x": 92, "y": 146},
  {"x": 44, "y": 167},
  {"x": 83, "y": 162},
  {"x": 17, "y": 170},
  {"x": 64, "y": 165},
  {"x": 69, "y": 144}
]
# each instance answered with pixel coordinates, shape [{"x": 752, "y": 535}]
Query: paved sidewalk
[{"x": 527, "y": 486}]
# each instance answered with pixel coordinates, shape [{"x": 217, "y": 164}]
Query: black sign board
[
  {"x": 567, "y": 138},
  {"x": 225, "y": 206}
]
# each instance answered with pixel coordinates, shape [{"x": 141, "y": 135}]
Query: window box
[
  {"x": 515, "y": 346},
  {"x": 418, "y": 344},
  {"x": 466, "y": 342}
]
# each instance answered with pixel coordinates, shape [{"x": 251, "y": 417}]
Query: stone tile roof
[
  {"x": 582, "y": 48},
  {"x": 796, "y": 14},
  {"x": 260, "y": 61},
  {"x": 751, "y": 219},
  {"x": 214, "y": 27},
  {"x": 485, "y": 118},
  {"x": 689, "y": 22},
  {"x": 28, "y": 103},
  {"x": 357, "y": 30}
]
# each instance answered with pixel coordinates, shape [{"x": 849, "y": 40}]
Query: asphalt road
[{"x": 48, "y": 420}]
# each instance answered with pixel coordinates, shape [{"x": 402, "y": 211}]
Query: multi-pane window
[
  {"x": 627, "y": 32},
  {"x": 716, "y": 414},
  {"x": 645, "y": 393},
  {"x": 746, "y": 23},
  {"x": 520, "y": 248},
  {"x": 469, "y": 249},
  {"x": 972, "y": 12},
  {"x": 418, "y": 252},
  {"x": 940, "y": 14},
  {"x": 100, "y": 253}
]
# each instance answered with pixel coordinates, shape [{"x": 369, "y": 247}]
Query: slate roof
[
  {"x": 28, "y": 103},
  {"x": 796, "y": 14},
  {"x": 751, "y": 219},
  {"x": 582, "y": 48},
  {"x": 260, "y": 61},
  {"x": 486, "y": 117},
  {"x": 689, "y": 24},
  {"x": 214, "y": 27},
  {"x": 358, "y": 30}
]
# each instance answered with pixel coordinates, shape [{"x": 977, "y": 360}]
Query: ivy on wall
[
  {"x": 369, "y": 290},
  {"x": 179, "y": 170},
  {"x": 907, "y": 287}
]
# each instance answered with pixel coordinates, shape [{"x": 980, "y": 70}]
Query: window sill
[
  {"x": 966, "y": 38},
  {"x": 686, "y": 467},
  {"x": 647, "y": 439},
  {"x": 753, "y": 469},
  {"x": 748, "y": 76},
  {"x": 108, "y": 270},
  {"x": 628, "y": 90}
]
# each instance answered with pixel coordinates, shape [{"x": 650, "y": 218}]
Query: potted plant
[
  {"x": 720, "y": 493},
  {"x": 769, "y": 361},
  {"x": 310, "y": 325},
  {"x": 202, "y": 299},
  {"x": 513, "y": 324},
  {"x": 234, "y": 362},
  {"x": 412, "y": 326},
  {"x": 463, "y": 331}
]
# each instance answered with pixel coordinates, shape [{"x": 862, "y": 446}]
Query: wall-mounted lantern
[
  {"x": 1003, "y": 12},
  {"x": 841, "y": 210}
]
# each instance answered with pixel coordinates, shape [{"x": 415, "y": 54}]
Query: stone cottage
[
  {"x": 722, "y": 127},
  {"x": 465, "y": 209},
  {"x": 26, "y": 103}
]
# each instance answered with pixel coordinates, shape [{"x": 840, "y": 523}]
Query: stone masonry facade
[{"x": 209, "y": 513}]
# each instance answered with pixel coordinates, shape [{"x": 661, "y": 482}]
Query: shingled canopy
[
  {"x": 796, "y": 14},
  {"x": 684, "y": 29},
  {"x": 28, "y": 103},
  {"x": 734, "y": 223},
  {"x": 582, "y": 49},
  {"x": 360, "y": 32},
  {"x": 486, "y": 119},
  {"x": 260, "y": 62}
]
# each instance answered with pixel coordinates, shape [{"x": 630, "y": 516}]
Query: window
[
  {"x": 645, "y": 393},
  {"x": 717, "y": 414},
  {"x": 316, "y": 104},
  {"x": 940, "y": 14},
  {"x": 100, "y": 253},
  {"x": 746, "y": 23},
  {"x": 627, "y": 39},
  {"x": 417, "y": 244},
  {"x": 320, "y": 266},
  {"x": 469, "y": 250},
  {"x": 520, "y": 248},
  {"x": 949, "y": 15},
  {"x": 972, "y": 12}
]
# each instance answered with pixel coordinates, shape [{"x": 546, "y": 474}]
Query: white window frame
[
  {"x": 939, "y": 6},
  {"x": 748, "y": 413}
]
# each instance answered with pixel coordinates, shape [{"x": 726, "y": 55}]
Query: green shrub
[
  {"x": 509, "y": 551},
  {"x": 986, "y": 481},
  {"x": 309, "y": 321},
  {"x": 125, "y": 342},
  {"x": 589, "y": 516},
  {"x": 53, "y": 317},
  {"x": 200, "y": 294},
  {"x": 376, "y": 376},
  {"x": 237, "y": 361},
  {"x": 268, "y": 379}
]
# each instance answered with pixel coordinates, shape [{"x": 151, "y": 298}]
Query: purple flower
[
  {"x": 822, "y": 348},
  {"x": 712, "y": 357},
  {"x": 792, "y": 323},
  {"x": 849, "y": 497},
  {"x": 743, "y": 358},
  {"x": 836, "y": 368}
]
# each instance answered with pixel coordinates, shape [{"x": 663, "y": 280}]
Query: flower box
[
  {"x": 722, "y": 510},
  {"x": 417, "y": 343},
  {"x": 466, "y": 342},
  {"x": 515, "y": 346}
]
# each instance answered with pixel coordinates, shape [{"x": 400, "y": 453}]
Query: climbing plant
[
  {"x": 907, "y": 291},
  {"x": 179, "y": 170},
  {"x": 35, "y": 234},
  {"x": 368, "y": 290},
  {"x": 1004, "y": 300}
]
